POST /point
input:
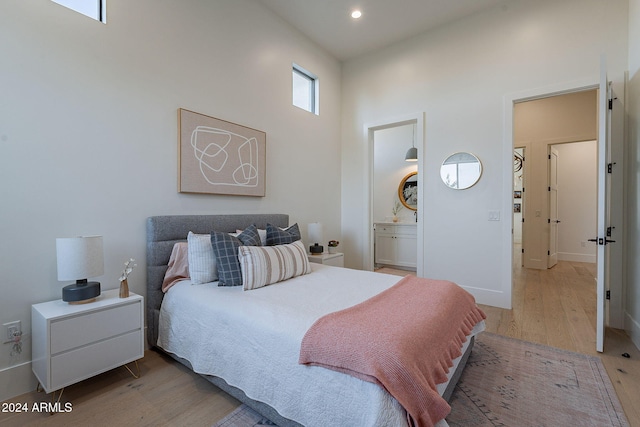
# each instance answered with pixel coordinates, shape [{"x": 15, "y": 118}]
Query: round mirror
[
  {"x": 460, "y": 170},
  {"x": 408, "y": 191}
]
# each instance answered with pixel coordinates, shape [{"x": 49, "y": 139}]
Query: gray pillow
[
  {"x": 279, "y": 236},
  {"x": 225, "y": 248}
]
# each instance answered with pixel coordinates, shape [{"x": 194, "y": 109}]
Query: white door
[
  {"x": 552, "y": 258},
  {"x": 602, "y": 240}
]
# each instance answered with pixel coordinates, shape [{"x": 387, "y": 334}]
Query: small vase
[
  {"x": 124, "y": 289},
  {"x": 333, "y": 249}
]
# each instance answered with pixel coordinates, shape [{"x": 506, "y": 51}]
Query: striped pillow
[{"x": 264, "y": 265}]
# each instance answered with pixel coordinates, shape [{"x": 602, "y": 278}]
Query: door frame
[
  {"x": 508, "y": 145},
  {"x": 369, "y": 129},
  {"x": 615, "y": 306},
  {"x": 525, "y": 147},
  {"x": 552, "y": 253}
]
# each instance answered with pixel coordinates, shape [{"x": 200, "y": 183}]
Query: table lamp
[
  {"x": 80, "y": 258},
  {"x": 315, "y": 233}
]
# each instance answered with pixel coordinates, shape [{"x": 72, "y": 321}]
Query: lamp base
[
  {"x": 316, "y": 249},
  {"x": 81, "y": 292}
]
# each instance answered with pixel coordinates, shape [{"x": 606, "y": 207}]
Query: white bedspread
[{"x": 252, "y": 339}]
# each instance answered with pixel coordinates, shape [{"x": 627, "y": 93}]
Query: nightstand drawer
[
  {"x": 336, "y": 261},
  {"x": 85, "y": 362},
  {"x": 87, "y": 328}
]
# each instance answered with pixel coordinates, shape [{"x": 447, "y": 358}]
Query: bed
[{"x": 288, "y": 393}]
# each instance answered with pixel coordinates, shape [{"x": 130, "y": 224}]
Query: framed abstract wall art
[{"x": 220, "y": 157}]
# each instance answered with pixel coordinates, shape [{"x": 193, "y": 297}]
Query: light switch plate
[{"x": 494, "y": 215}]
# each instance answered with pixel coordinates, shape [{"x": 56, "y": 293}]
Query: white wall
[
  {"x": 460, "y": 75},
  {"x": 389, "y": 167},
  {"x": 88, "y": 132},
  {"x": 577, "y": 200},
  {"x": 632, "y": 318}
]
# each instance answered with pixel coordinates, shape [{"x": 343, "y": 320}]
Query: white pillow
[
  {"x": 202, "y": 262},
  {"x": 264, "y": 265}
]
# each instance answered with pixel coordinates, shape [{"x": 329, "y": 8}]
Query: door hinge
[
  {"x": 522, "y": 250},
  {"x": 610, "y": 104},
  {"x": 609, "y": 231},
  {"x": 549, "y": 253},
  {"x": 610, "y": 167},
  {"x": 608, "y": 295},
  {"x": 549, "y": 156},
  {"x": 548, "y": 188},
  {"x": 522, "y": 219}
]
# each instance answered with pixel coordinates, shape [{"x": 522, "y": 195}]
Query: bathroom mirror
[
  {"x": 408, "y": 191},
  {"x": 460, "y": 170}
]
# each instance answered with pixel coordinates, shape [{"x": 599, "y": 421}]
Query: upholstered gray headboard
[{"x": 164, "y": 231}]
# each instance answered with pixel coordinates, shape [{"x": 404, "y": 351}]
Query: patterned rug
[{"x": 509, "y": 382}]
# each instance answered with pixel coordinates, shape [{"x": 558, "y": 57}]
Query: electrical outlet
[{"x": 14, "y": 329}]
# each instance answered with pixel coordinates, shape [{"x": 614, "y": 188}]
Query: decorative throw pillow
[
  {"x": 250, "y": 236},
  {"x": 280, "y": 236},
  {"x": 202, "y": 262},
  {"x": 225, "y": 249},
  {"x": 264, "y": 265},
  {"x": 263, "y": 235}
]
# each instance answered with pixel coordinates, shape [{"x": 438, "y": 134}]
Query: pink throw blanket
[
  {"x": 404, "y": 339},
  {"x": 178, "y": 267}
]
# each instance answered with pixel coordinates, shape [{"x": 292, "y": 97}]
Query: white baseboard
[
  {"x": 489, "y": 297},
  {"x": 19, "y": 379},
  {"x": 566, "y": 256},
  {"x": 633, "y": 329}
]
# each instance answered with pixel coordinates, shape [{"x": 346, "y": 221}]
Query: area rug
[{"x": 510, "y": 382}]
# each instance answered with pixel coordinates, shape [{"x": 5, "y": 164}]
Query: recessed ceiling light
[{"x": 356, "y": 14}]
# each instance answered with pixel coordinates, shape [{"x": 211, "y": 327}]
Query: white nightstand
[
  {"x": 336, "y": 260},
  {"x": 71, "y": 343}
]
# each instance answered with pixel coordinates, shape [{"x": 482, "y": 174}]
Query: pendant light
[{"x": 412, "y": 153}]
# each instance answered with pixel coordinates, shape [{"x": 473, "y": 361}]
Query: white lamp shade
[
  {"x": 79, "y": 257},
  {"x": 315, "y": 233}
]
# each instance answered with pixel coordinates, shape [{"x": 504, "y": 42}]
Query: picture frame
[
  {"x": 517, "y": 194},
  {"x": 517, "y": 208},
  {"x": 216, "y": 156},
  {"x": 408, "y": 191}
]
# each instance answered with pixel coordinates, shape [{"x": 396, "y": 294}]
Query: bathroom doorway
[{"x": 401, "y": 134}]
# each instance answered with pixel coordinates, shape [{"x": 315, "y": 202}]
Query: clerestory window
[{"x": 305, "y": 90}]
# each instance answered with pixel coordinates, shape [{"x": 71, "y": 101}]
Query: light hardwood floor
[{"x": 555, "y": 307}]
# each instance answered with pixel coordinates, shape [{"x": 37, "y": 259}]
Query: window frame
[
  {"x": 101, "y": 9},
  {"x": 313, "y": 90}
]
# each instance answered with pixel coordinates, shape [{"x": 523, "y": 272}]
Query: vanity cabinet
[{"x": 396, "y": 245}]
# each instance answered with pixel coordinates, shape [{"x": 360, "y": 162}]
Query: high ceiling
[{"x": 383, "y": 22}]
